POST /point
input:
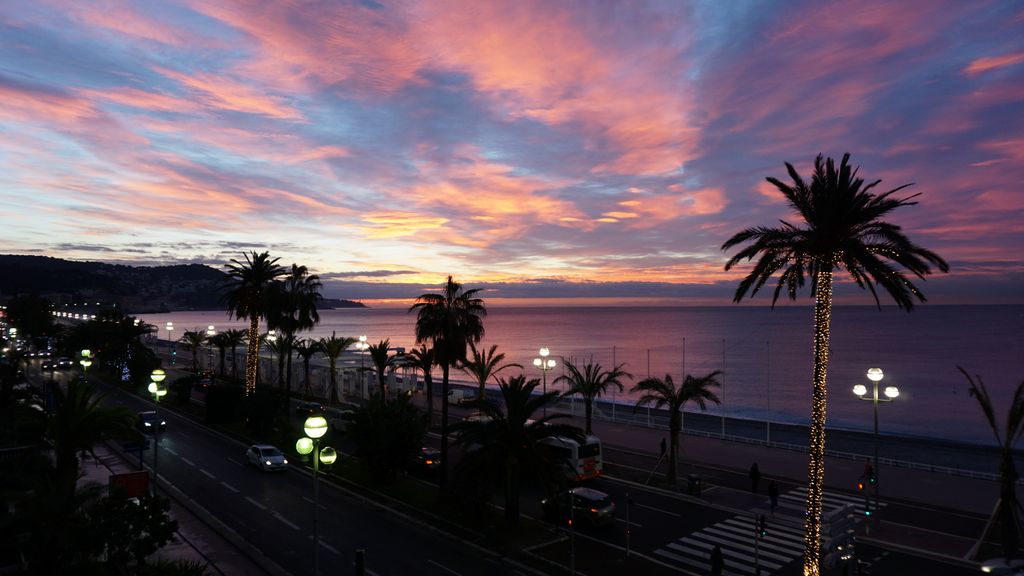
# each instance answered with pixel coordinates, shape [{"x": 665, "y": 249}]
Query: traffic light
[
  {"x": 860, "y": 484},
  {"x": 762, "y": 526},
  {"x": 867, "y": 508}
]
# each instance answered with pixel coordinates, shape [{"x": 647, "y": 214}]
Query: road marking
[
  {"x": 255, "y": 503},
  {"x": 180, "y": 433},
  {"x": 310, "y": 500},
  {"x": 285, "y": 520},
  {"x": 659, "y": 510},
  {"x": 187, "y": 461},
  {"x": 229, "y": 487},
  {"x": 171, "y": 450},
  {"x": 445, "y": 568},
  {"x": 630, "y": 523},
  {"x": 211, "y": 476},
  {"x": 328, "y": 546},
  {"x": 233, "y": 461}
]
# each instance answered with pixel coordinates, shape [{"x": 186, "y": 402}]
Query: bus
[{"x": 580, "y": 461}]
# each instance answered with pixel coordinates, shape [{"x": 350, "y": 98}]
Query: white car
[{"x": 266, "y": 457}]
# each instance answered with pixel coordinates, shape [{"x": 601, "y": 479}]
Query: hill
[{"x": 135, "y": 289}]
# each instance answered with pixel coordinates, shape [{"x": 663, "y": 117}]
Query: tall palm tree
[
  {"x": 1008, "y": 511},
  {"x": 381, "y": 363},
  {"x": 332, "y": 348},
  {"x": 295, "y": 302},
  {"x": 284, "y": 347},
  {"x": 194, "y": 339},
  {"x": 592, "y": 382},
  {"x": 247, "y": 293},
  {"x": 842, "y": 230},
  {"x": 422, "y": 359},
  {"x": 450, "y": 321},
  {"x": 482, "y": 365},
  {"x": 665, "y": 394},
  {"x": 306, "y": 348},
  {"x": 510, "y": 440},
  {"x": 235, "y": 338}
]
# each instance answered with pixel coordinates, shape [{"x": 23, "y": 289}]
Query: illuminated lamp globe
[
  {"x": 315, "y": 426},
  {"x": 161, "y": 391},
  {"x": 328, "y": 455},
  {"x": 536, "y": 362},
  {"x": 860, "y": 389},
  {"x": 891, "y": 392},
  {"x": 157, "y": 375},
  {"x": 544, "y": 352},
  {"x": 151, "y": 388},
  {"x": 86, "y": 353},
  {"x": 875, "y": 374},
  {"x": 304, "y": 445}
]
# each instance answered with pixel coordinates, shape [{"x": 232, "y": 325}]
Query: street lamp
[
  {"x": 315, "y": 427},
  {"x": 544, "y": 364},
  {"x": 170, "y": 342},
  {"x": 362, "y": 345},
  {"x": 272, "y": 338},
  {"x": 210, "y": 333},
  {"x": 891, "y": 393},
  {"x": 156, "y": 388},
  {"x": 86, "y": 361}
]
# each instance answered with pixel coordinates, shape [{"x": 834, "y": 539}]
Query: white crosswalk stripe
[
  {"x": 735, "y": 536},
  {"x": 829, "y": 500}
]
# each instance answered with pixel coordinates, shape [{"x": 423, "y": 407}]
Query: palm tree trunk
[
  {"x": 512, "y": 491},
  {"x": 444, "y": 428},
  {"x": 589, "y": 405},
  {"x": 288, "y": 377},
  {"x": 816, "y": 466},
  {"x": 234, "y": 363},
  {"x": 334, "y": 383},
  {"x": 252, "y": 356},
  {"x": 430, "y": 397},
  {"x": 223, "y": 353},
  {"x": 675, "y": 424},
  {"x": 305, "y": 368}
]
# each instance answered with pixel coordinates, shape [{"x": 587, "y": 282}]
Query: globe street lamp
[
  {"x": 362, "y": 345},
  {"x": 544, "y": 364},
  {"x": 315, "y": 427},
  {"x": 86, "y": 361},
  {"x": 156, "y": 388},
  {"x": 170, "y": 342},
  {"x": 210, "y": 333},
  {"x": 891, "y": 393}
]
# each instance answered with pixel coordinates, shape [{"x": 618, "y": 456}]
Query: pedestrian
[
  {"x": 717, "y": 561},
  {"x": 755, "y": 477},
  {"x": 773, "y": 495},
  {"x": 664, "y": 450}
]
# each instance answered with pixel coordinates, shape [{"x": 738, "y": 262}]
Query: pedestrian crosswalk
[{"x": 735, "y": 536}]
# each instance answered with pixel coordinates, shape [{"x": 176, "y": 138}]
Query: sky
[{"x": 532, "y": 149}]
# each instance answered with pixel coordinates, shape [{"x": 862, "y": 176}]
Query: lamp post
[
  {"x": 891, "y": 393},
  {"x": 362, "y": 345},
  {"x": 272, "y": 338},
  {"x": 156, "y": 388},
  {"x": 86, "y": 361},
  {"x": 544, "y": 364},
  {"x": 170, "y": 342},
  {"x": 315, "y": 427},
  {"x": 210, "y": 333}
]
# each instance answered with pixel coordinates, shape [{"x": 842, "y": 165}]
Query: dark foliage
[{"x": 387, "y": 435}]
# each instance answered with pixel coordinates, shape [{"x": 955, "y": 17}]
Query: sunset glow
[{"x": 545, "y": 149}]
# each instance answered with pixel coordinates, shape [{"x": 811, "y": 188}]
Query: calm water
[{"x": 765, "y": 354}]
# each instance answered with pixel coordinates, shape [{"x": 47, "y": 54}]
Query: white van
[{"x": 460, "y": 396}]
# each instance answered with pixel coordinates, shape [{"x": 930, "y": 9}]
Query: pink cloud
[
  {"x": 221, "y": 92},
  {"x": 988, "y": 63}
]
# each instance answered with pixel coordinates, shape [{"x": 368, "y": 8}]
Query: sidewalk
[{"x": 194, "y": 540}]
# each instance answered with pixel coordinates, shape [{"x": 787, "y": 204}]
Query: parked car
[
  {"x": 460, "y": 396},
  {"x": 49, "y": 365},
  {"x": 588, "y": 505},
  {"x": 425, "y": 462},
  {"x": 339, "y": 420},
  {"x": 266, "y": 457},
  {"x": 64, "y": 362},
  {"x": 308, "y": 408},
  {"x": 149, "y": 422}
]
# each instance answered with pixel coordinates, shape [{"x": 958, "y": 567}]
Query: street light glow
[
  {"x": 875, "y": 374},
  {"x": 892, "y": 392},
  {"x": 304, "y": 445},
  {"x": 315, "y": 426},
  {"x": 860, "y": 389}
]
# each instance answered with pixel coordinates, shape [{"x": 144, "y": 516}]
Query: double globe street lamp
[
  {"x": 315, "y": 427},
  {"x": 544, "y": 364},
  {"x": 157, "y": 389},
  {"x": 86, "y": 361},
  {"x": 891, "y": 393}
]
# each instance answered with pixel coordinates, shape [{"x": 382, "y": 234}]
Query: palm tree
[
  {"x": 450, "y": 321},
  {"x": 381, "y": 362},
  {"x": 510, "y": 440},
  {"x": 247, "y": 293},
  {"x": 843, "y": 230},
  {"x": 194, "y": 339},
  {"x": 1008, "y": 510},
  {"x": 592, "y": 382},
  {"x": 284, "y": 346},
  {"x": 234, "y": 338},
  {"x": 220, "y": 341},
  {"x": 306, "y": 348},
  {"x": 332, "y": 348},
  {"x": 483, "y": 365},
  {"x": 664, "y": 394},
  {"x": 422, "y": 359},
  {"x": 295, "y": 300}
]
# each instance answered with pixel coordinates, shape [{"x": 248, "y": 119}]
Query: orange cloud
[
  {"x": 226, "y": 94},
  {"x": 986, "y": 64}
]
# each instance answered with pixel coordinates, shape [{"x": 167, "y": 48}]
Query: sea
[{"x": 764, "y": 354}]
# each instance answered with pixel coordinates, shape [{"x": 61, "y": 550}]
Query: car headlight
[
  {"x": 148, "y": 424},
  {"x": 268, "y": 462},
  {"x": 285, "y": 461},
  {"x": 163, "y": 423}
]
